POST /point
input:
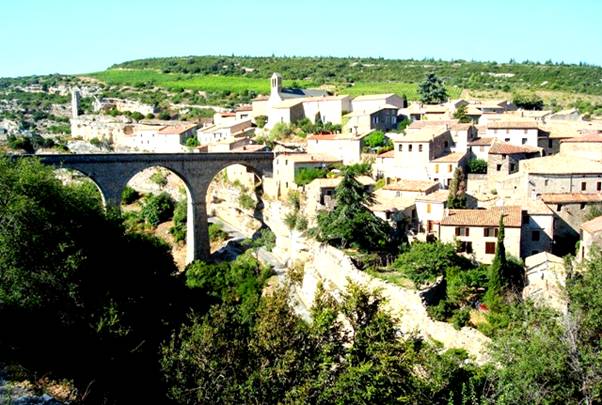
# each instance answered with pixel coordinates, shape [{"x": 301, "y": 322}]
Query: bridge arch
[{"x": 111, "y": 172}]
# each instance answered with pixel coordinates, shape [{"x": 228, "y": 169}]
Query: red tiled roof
[
  {"x": 513, "y": 124},
  {"x": 593, "y": 226},
  {"x": 566, "y": 198},
  {"x": 489, "y": 217},
  {"x": 481, "y": 142},
  {"x": 504, "y": 148},
  {"x": 176, "y": 129},
  {"x": 411, "y": 185},
  {"x": 387, "y": 154},
  {"x": 453, "y": 157},
  {"x": 593, "y": 138}
]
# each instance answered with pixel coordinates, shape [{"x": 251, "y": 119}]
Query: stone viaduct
[{"x": 111, "y": 173}]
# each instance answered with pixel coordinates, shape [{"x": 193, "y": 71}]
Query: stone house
[
  {"x": 345, "y": 147},
  {"x": 373, "y": 102},
  {"x": 537, "y": 229},
  {"x": 516, "y": 132},
  {"x": 546, "y": 278},
  {"x": 409, "y": 188},
  {"x": 479, "y": 148},
  {"x": 591, "y": 236},
  {"x": 287, "y": 165},
  {"x": 462, "y": 134},
  {"x": 503, "y": 159},
  {"x": 443, "y": 168},
  {"x": 587, "y": 146},
  {"x": 430, "y": 210},
  {"x": 361, "y": 122},
  {"x": 476, "y": 231},
  {"x": 224, "y": 130}
]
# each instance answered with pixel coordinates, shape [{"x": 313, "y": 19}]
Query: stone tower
[
  {"x": 276, "y": 87},
  {"x": 75, "y": 99}
]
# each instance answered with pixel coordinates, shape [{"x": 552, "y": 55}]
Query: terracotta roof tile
[
  {"x": 502, "y": 124},
  {"x": 438, "y": 196},
  {"x": 590, "y": 138},
  {"x": 593, "y": 226},
  {"x": 411, "y": 185},
  {"x": 481, "y": 142},
  {"x": 489, "y": 217},
  {"x": 566, "y": 198},
  {"x": 453, "y": 157},
  {"x": 504, "y": 148}
]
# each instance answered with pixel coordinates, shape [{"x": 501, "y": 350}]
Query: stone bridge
[{"x": 111, "y": 173}]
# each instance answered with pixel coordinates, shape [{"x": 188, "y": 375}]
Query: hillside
[{"x": 370, "y": 72}]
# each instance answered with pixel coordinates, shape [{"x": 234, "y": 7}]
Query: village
[
  {"x": 541, "y": 169},
  {"x": 446, "y": 172}
]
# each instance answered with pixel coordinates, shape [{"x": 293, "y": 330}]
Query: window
[
  {"x": 400, "y": 147},
  {"x": 449, "y": 168},
  {"x": 466, "y": 247},
  {"x": 498, "y": 168},
  {"x": 490, "y": 248},
  {"x": 583, "y": 186},
  {"x": 507, "y": 130},
  {"x": 545, "y": 183},
  {"x": 535, "y": 236},
  {"x": 429, "y": 208},
  {"x": 506, "y": 139},
  {"x": 436, "y": 167},
  {"x": 462, "y": 231},
  {"x": 446, "y": 144},
  {"x": 558, "y": 207},
  {"x": 582, "y": 206},
  {"x": 550, "y": 143},
  {"x": 525, "y": 131},
  {"x": 524, "y": 140},
  {"x": 489, "y": 232},
  {"x": 398, "y": 194},
  {"x": 599, "y": 186},
  {"x": 512, "y": 166},
  {"x": 409, "y": 148},
  {"x": 420, "y": 148}
]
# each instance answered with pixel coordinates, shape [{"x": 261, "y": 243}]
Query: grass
[
  {"x": 210, "y": 83},
  {"x": 393, "y": 277},
  {"x": 409, "y": 89},
  {"x": 215, "y": 83}
]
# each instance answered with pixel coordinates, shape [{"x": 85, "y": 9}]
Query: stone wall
[{"x": 335, "y": 270}]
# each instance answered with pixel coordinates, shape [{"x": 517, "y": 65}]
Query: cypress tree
[{"x": 498, "y": 270}]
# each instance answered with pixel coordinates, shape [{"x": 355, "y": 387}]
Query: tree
[
  {"x": 477, "y": 166},
  {"x": 377, "y": 139},
  {"x": 528, "y": 101},
  {"x": 159, "y": 178},
  {"x": 351, "y": 223},
  {"x": 192, "y": 142},
  {"x": 261, "y": 120},
  {"x": 426, "y": 261},
  {"x": 457, "y": 196},
  {"x": 108, "y": 304},
  {"x": 432, "y": 90},
  {"x": 306, "y": 175},
  {"x": 129, "y": 195},
  {"x": 461, "y": 115},
  {"x": 157, "y": 208},
  {"x": 499, "y": 279}
]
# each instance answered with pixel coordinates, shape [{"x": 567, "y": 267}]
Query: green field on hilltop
[
  {"x": 409, "y": 89},
  {"x": 210, "y": 83},
  {"x": 216, "y": 83}
]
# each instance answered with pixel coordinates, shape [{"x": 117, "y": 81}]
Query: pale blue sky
[{"x": 71, "y": 36}]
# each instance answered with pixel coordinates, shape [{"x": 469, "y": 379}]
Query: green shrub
[
  {"x": 306, "y": 175},
  {"x": 157, "y": 208},
  {"x": 216, "y": 233},
  {"x": 477, "y": 166},
  {"x": 461, "y": 318},
  {"x": 246, "y": 201},
  {"x": 261, "y": 120},
  {"x": 129, "y": 195},
  {"x": 159, "y": 178},
  {"x": 178, "y": 230}
]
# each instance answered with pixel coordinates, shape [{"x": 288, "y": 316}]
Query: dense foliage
[
  {"x": 80, "y": 298},
  {"x": 432, "y": 90},
  {"x": 351, "y": 223},
  {"x": 477, "y": 166},
  {"x": 306, "y": 175},
  {"x": 580, "y": 78}
]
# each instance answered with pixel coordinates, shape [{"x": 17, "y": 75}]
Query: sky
[{"x": 83, "y": 36}]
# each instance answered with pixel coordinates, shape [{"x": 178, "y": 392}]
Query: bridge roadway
[{"x": 111, "y": 172}]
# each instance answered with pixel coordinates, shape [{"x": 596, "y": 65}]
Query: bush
[
  {"x": 157, "y": 208},
  {"x": 180, "y": 216},
  {"x": 137, "y": 116},
  {"x": 461, "y": 318},
  {"x": 424, "y": 262},
  {"x": 261, "y": 120},
  {"x": 159, "y": 178},
  {"x": 477, "y": 166},
  {"x": 216, "y": 233},
  {"x": 528, "y": 101},
  {"x": 129, "y": 195},
  {"x": 246, "y": 202},
  {"x": 306, "y": 175},
  {"x": 266, "y": 239}
]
